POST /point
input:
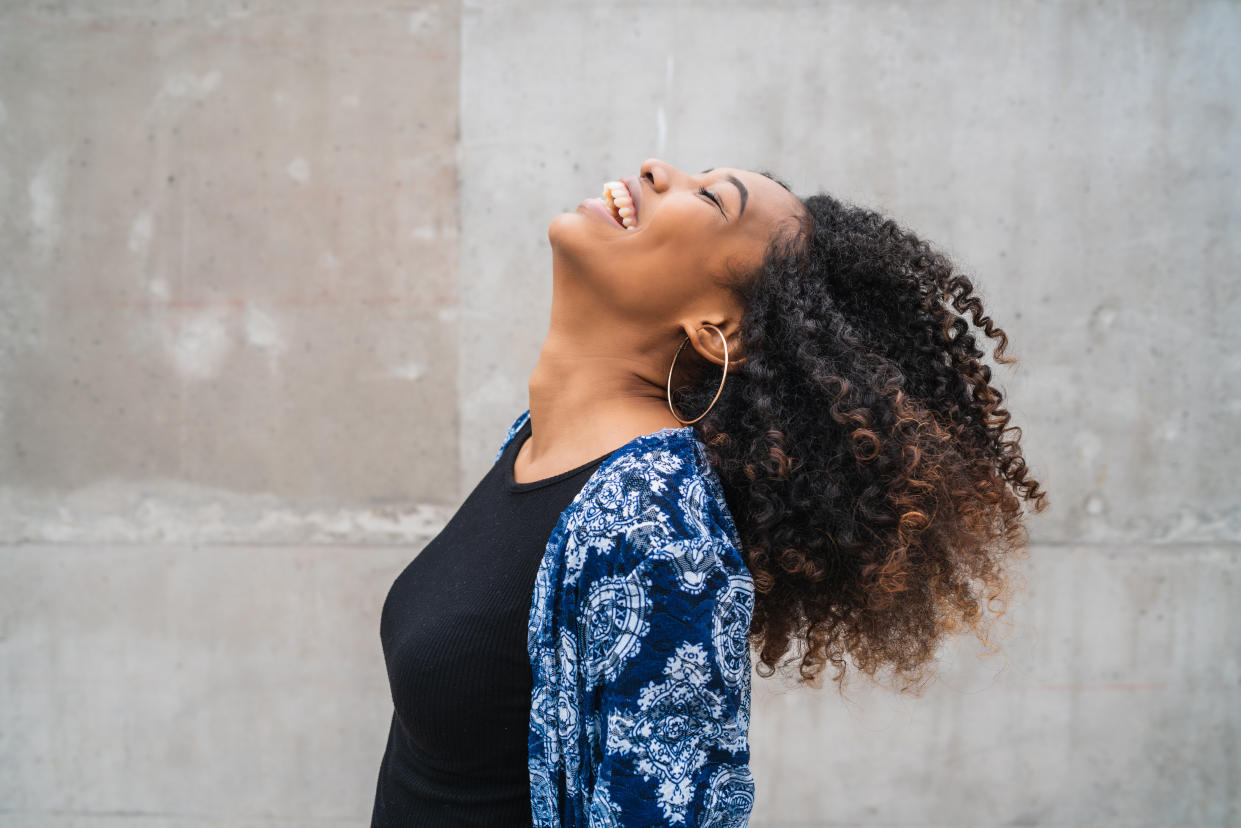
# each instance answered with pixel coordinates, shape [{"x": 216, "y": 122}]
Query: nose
[{"x": 662, "y": 174}]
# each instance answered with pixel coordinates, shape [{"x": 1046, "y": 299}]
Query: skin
[{"x": 624, "y": 300}]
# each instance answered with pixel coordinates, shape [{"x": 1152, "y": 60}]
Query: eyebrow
[{"x": 740, "y": 188}]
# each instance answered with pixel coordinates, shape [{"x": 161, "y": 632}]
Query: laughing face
[{"x": 653, "y": 248}]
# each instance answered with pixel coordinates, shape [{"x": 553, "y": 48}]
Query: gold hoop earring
[{"x": 723, "y": 378}]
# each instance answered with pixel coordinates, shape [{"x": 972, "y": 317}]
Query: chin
[
  {"x": 556, "y": 226},
  {"x": 566, "y": 230}
]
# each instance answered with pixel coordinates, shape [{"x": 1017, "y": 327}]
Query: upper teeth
[{"x": 616, "y": 196}]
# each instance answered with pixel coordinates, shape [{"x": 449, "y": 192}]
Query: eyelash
[{"x": 701, "y": 191}]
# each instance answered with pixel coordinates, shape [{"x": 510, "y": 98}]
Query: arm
[{"x": 674, "y": 689}]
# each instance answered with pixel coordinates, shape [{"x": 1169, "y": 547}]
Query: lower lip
[{"x": 599, "y": 206}]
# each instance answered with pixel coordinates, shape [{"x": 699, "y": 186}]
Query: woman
[{"x": 831, "y": 476}]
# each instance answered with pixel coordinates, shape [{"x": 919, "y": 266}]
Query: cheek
[
  {"x": 664, "y": 286},
  {"x": 640, "y": 288},
  {"x": 669, "y": 266}
]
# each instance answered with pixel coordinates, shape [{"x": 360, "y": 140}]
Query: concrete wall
[{"x": 275, "y": 275}]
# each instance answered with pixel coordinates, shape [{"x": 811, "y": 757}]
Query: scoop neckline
[{"x": 518, "y": 440}]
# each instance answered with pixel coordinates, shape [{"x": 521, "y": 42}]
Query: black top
[{"x": 453, "y": 629}]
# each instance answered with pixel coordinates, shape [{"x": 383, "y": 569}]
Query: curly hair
[{"x": 873, "y": 475}]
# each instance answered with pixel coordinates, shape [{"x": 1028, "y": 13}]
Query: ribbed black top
[{"x": 453, "y": 629}]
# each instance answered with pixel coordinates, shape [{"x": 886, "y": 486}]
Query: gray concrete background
[{"x": 275, "y": 276}]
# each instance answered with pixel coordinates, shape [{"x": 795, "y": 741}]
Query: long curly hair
[{"x": 873, "y": 475}]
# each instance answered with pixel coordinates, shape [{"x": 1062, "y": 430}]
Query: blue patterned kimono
[{"x": 638, "y": 644}]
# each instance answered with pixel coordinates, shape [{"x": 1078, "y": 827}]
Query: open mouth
[{"x": 620, "y": 204}]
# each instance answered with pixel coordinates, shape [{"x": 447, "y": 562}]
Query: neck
[{"x": 587, "y": 399}]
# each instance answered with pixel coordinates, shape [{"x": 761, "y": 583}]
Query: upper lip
[{"x": 634, "y": 186}]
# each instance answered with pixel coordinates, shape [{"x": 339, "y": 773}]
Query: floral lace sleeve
[{"x": 672, "y": 688}]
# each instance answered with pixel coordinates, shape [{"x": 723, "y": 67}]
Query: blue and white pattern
[
  {"x": 611, "y": 626},
  {"x": 638, "y": 642}
]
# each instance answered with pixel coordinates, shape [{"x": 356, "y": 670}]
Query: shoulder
[
  {"x": 657, "y": 580},
  {"x": 512, "y": 432},
  {"x": 658, "y": 499}
]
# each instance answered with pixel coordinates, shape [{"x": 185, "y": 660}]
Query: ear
[{"x": 708, "y": 342}]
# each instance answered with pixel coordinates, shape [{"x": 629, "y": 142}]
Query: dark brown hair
[{"x": 874, "y": 476}]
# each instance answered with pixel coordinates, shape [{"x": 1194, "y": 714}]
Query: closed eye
[{"x": 705, "y": 192}]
